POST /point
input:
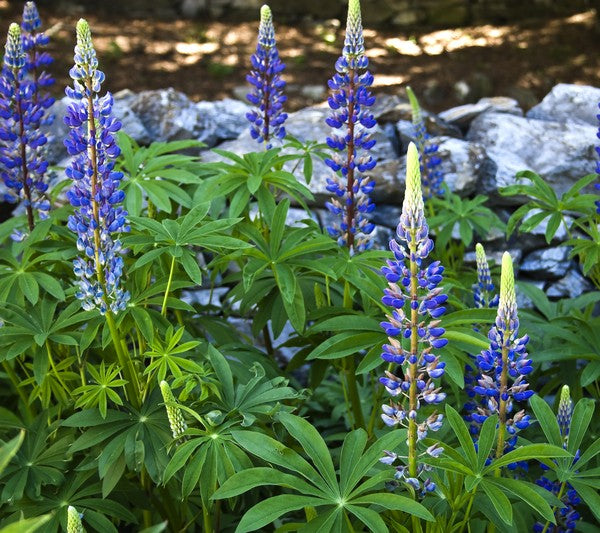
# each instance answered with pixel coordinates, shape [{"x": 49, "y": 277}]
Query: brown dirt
[{"x": 209, "y": 60}]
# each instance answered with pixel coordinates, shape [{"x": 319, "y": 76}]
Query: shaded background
[{"x": 450, "y": 51}]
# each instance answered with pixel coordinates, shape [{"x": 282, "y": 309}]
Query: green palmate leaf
[
  {"x": 589, "y": 495},
  {"x": 546, "y": 419},
  {"x": 27, "y": 525},
  {"x": 486, "y": 441},
  {"x": 395, "y": 502},
  {"x": 527, "y": 492},
  {"x": 267, "y": 511},
  {"x": 312, "y": 442},
  {"x": 530, "y": 451},
  {"x": 464, "y": 437},
  {"x": 580, "y": 421},
  {"x": 499, "y": 500}
]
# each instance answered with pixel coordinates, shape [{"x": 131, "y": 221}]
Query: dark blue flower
[
  {"x": 266, "y": 120},
  {"x": 22, "y": 157},
  {"x": 350, "y": 100},
  {"x": 95, "y": 193},
  {"x": 431, "y": 174}
]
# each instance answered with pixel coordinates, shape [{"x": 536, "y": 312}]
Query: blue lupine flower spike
[
  {"x": 483, "y": 292},
  {"x": 95, "y": 193},
  {"x": 34, "y": 42},
  {"x": 350, "y": 100},
  {"x": 413, "y": 336},
  {"x": 22, "y": 162},
  {"x": 267, "y": 118},
  {"x": 431, "y": 173},
  {"x": 567, "y": 516},
  {"x": 504, "y": 366}
]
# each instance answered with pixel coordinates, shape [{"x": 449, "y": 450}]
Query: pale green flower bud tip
[
  {"x": 74, "y": 524},
  {"x": 507, "y": 283},
  {"x": 176, "y": 420},
  {"x": 354, "y": 10},
  {"x": 479, "y": 251},
  {"x": 166, "y": 392},
  {"x": 414, "y": 105},
  {"x": 565, "y": 394},
  {"x": 14, "y": 31},
  {"x": 84, "y": 34},
  {"x": 265, "y": 14}
]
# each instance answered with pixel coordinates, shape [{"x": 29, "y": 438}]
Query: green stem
[
  {"x": 132, "y": 387},
  {"x": 559, "y": 496},
  {"x": 14, "y": 379},
  {"x": 206, "y": 520},
  {"x": 502, "y": 408},
  {"x": 350, "y": 372},
  {"x": 467, "y": 512},
  {"x": 54, "y": 369},
  {"x": 163, "y": 311},
  {"x": 412, "y": 369}
]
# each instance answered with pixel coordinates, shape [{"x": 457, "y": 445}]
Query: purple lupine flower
[
  {"x": 23, "y": 165},
  {"x": 567, "y": 516},
  {"x": 34, "y": 42},
  {"x": 266, "y": 120},
  {"x": 484, "y": 297},
  {"x": 504, "y": 366},
  {"x": 350, "y": 101},
  {"x": 431, "y": 174},
  {"x": 410, "y": 378},
  {"x": 95, "y": 193}
]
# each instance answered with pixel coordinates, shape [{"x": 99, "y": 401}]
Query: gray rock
[
  {"x": 549, "y": 263},
  {"x": 309, "y": 124},
  {"x": 571, "y": 286},
  {"x": 560, "y": 153},
  {"x": 569, "y": 103},
  {"x": 222, "y": 120},
  {"x": 435, "y": 127},
  {"x": 464, "y": 164},
  {"x": 131, "y": 123},
  {"x": 523, "y": 301},
  {"x": 495, "y": 257},
  {"x": 57, "y": 132},
  {"x": 167, "y": 114},
  {"x": 205, "y": 297},
  {"x": 463, "y": 115}
]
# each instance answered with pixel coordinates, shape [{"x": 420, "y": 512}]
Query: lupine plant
[
  {"x": 413, "y": 371},
  {"x": 172, "y": 362},
  {"x": 266, "y": 120},
  {"x": 350, "y": 101}
]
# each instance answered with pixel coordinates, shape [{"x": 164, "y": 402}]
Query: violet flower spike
[
  {"x": 34, "y": 42},
  {"x": 350, "y": 101},
  {"x": 504, "y": 367},
  {"x": 417, "y": 302},
  {"x": 95, "y": 193},
  {"x": 431, "y": 173},
  {"x": 22, "y": 162},
  {"x": 267, "y": 118}
]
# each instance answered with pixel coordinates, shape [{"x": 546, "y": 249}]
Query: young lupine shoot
[
  {"x": 431, "y": 175},
  {"x": 483, "y": 292},
  {"x": 74, "y": 524},
  {"x": 34, "y": 42},
  {"x": 95, "y": 193},
  {"x": 266, "y": 120},
  {"x": 410, "y": 378},
  {"x": 566, "y": 517},
  {"x": 176, "y": 420},
  {"x": 484, "y": 297},
  {"x": 23, "y": 166},
  {"x": 350, "y": 101},
  {"x": 504, "y": 367}
]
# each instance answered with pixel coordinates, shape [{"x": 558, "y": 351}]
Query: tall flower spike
[
  {"x": 176, "y": 420},
  {"x": 22, "y": 162},
  {"x": 74, "y": 524},
  {"x": 95, "y": 193},
  {"x": 432, "y": 176},
  {"x": 504, "y": 366},
  {"x": 417, "y": 303},
  {"x": 34, "y": 42},
  {"x": 484, "y": 297},
  {"x": 350, "y": 100},
  {"x": 483, "y": 291},
  {"x": 266, "y": 120},
  {"x": 565, "y": 412}
]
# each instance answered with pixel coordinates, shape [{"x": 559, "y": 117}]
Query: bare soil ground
[{"x": 208, "y": 60}]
